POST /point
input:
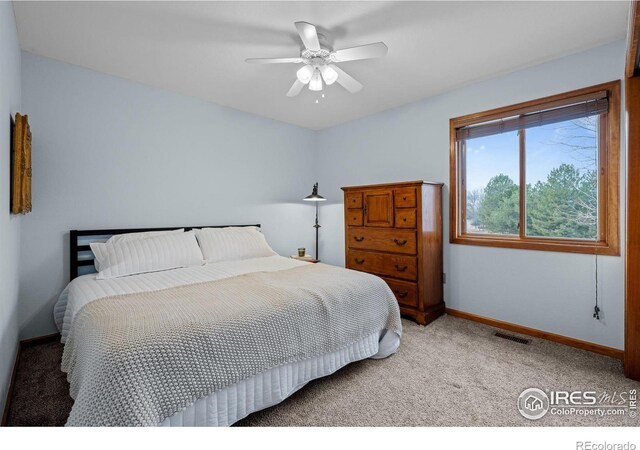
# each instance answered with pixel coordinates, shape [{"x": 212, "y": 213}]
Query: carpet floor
[{"x": 450, "y": 373}]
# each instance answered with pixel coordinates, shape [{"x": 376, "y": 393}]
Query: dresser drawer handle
[
  {"x": 359, "y": 260},
  {"x": 400, "y": 243},
  {"x": 401, "y": 294},
  {"x": 404, "y": 198},
  {"x": 404, "y": 219},
  {"x": 359, "y": 238},
  {"x": 400, "y": 268}
]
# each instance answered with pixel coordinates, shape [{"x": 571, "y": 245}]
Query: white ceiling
[{"x": 198, "y": 49}]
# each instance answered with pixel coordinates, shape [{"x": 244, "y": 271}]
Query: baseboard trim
[
  {"x": 40, "y": 340},
  {"x": 22, "y": 344},
  {"x": 565, "y": 340}
]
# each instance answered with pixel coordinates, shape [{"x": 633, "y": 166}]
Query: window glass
[
  {"x": 492, "y": 178},
  {"x": 562, "y": 179}
]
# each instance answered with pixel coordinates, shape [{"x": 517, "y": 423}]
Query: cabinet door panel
[{"x": 378, "y": 208}]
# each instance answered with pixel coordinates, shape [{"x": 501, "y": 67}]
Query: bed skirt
[{"x": 268, "y": 388}]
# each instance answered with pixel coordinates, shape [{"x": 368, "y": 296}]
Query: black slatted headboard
[{"x": 80, "y": 254}]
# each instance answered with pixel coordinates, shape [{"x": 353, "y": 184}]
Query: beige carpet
[{"x": 451, "y": 373}]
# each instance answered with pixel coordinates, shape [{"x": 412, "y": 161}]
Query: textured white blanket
[
  {"x": 137, "y": 359},
  {"x": 86, "y": 288}
]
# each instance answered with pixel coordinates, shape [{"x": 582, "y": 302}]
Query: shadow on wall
[
  {"x": 288, "y": 226},
  {"x": 331, "y": 219}
]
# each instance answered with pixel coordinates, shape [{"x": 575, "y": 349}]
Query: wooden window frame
[{"x": 608, "y": 242}]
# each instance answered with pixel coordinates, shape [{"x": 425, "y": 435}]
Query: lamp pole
[
  {"x": 317, "y": 227},
  {"x": 315, "y": 197}
]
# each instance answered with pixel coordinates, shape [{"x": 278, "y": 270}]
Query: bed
[{"x": 207, "y": 345}]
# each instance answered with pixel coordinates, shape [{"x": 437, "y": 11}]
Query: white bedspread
[
  {"x": 230, "y": 404},
  {"x": 86, "y": 288}
]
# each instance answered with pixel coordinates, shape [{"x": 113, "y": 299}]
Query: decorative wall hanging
[{"x": 21, "y": 166}]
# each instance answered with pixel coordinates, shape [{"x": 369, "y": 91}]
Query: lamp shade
[
  {"x": 304, "y": 74},
  {"x": 314, "y": 197},
  {"x": 328, "y": 74},
  {"x": 316, "y": 81}
]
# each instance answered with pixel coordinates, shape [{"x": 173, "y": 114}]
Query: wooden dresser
[{"x": 395, "y": 231}]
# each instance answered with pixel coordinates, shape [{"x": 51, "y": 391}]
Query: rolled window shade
[{"x": 573, "y": 109}]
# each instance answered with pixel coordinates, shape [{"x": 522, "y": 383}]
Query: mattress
[{"x": 226, "y": 406}]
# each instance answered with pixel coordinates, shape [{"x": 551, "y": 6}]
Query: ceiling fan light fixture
[
  {"x": 304, "y": 74},
  {"x": 329, "y": 74},
  {"x": 316, "y": 81},
  {"x": 318, "y": 61}
]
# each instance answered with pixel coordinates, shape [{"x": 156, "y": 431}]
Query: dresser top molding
[{"x": 384, "y": 185}]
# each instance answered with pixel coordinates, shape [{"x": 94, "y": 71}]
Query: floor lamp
[{"x": 314, "y": 197}]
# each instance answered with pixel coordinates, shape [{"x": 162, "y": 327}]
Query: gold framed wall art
[{"x": 21, "y": 166}]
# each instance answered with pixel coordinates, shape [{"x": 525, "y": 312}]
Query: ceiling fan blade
[
  {"x": 273, "y": 60},
  {"x": 295, "y": 88},
  {"x": 368, "y": 51},
  {"x": 309, "y": 35},
  {"x": 346, "y": 80}
]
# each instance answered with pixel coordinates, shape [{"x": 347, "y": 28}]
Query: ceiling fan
[{"x": 319, "y": 61}]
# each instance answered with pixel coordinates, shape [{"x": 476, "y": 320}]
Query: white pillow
[
  {"x": 232, "y": 243},
  {"x": 130, "y": 257},
  {"x": 142, "y": 235},
  {"x": 100, "y": 253}
]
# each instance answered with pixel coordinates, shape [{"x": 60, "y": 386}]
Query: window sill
[{"x": 549, "y": 245}]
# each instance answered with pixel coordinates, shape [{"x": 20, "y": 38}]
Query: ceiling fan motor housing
[{"x": 316, "y": 58}]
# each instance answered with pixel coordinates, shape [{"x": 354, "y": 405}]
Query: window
[{"x": 539, "y": 175}]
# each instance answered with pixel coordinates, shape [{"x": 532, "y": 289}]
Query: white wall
[
  {"x": 112, "y": 153},
  {"x": 9, "y": 225},
  {"x": 549, "y": 291}
]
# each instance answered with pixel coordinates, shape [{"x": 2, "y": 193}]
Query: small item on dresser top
[{"x": 302, "y": 251}]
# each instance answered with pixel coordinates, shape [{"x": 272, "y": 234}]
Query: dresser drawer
[
  {"x": 396, "y": 241},
  {"x": 354, "y": 200},
  {"x": 354, "y": 217},
  {"x": 406, "y": 293},
  {"x": 405, "y": 198},
  {"x": 406, "y": 218},
  {"x": 397, "y": 266}
]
